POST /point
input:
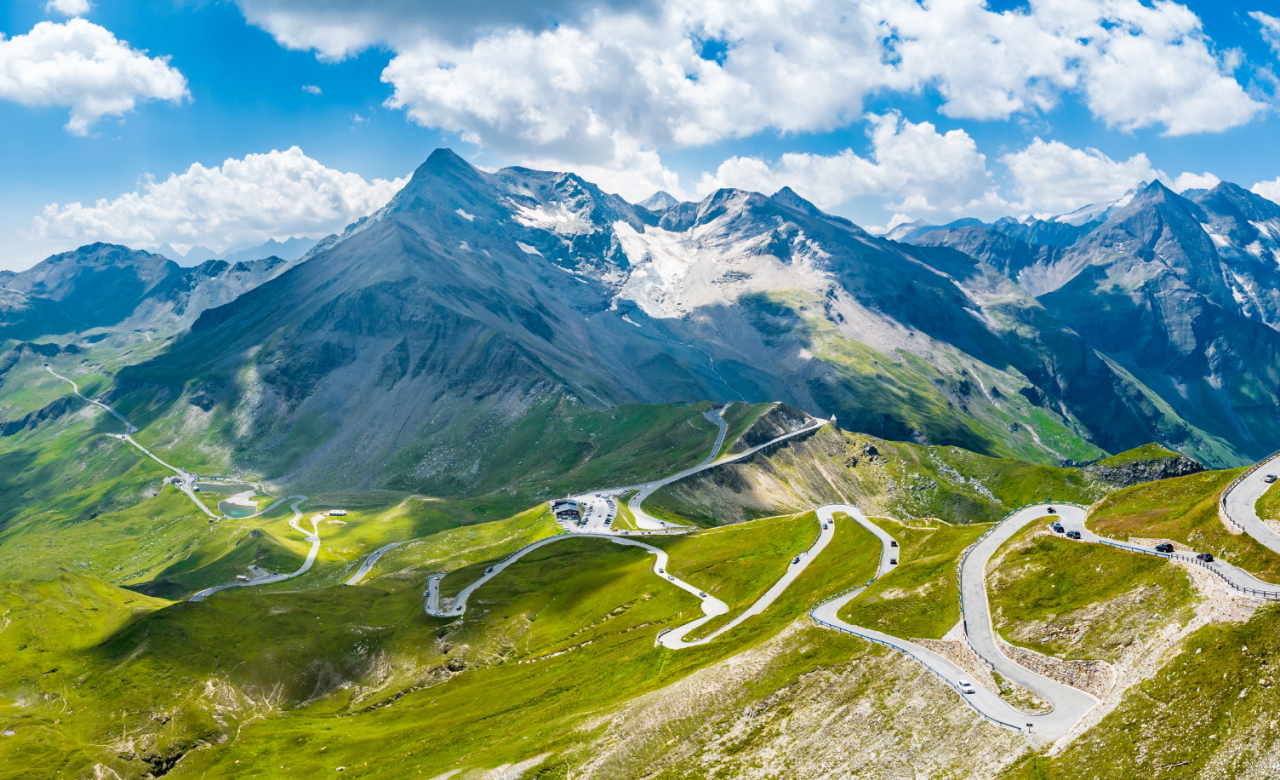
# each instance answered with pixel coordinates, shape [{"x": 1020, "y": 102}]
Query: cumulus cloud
[
  {"x": 1054, "y": 178},
  {"x": 1270, "y": 29},
  {"x": 1267, "y": 189},
  {"x": 82, "y": 66},
  {"x": 685, "y": 73},
  {"x": 68, "y": 7},
  {"x": 1050, "y": 177},
  {"x": 340, "y": 28},
  {"x": 912, "y": 166},
  {"x": 312, "y": 89},
  {"x": 275, "y": 195},
  {"x": 1194, "y": 181}
]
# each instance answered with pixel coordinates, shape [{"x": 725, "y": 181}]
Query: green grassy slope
[
  {"x": 1268, "y": 506},
  {"x": 920, "y": 598},
  {"x": 1085, "y": 601},
  {"x": 1210, "y": 713},
  {"x": 346, "y": 676},
  {"x": 739, "y": 417},
  {"x": 880, "y": 476},
  {"x": 738, "y": 564},
  {"x": 1184, "y": 509}
]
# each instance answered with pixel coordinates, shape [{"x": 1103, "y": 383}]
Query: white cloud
[
  {"x": 912, "y": 166},
  {"x": 1194, "y": 181},
  {"x": 1267, "y": 189},
  {"x": 311, "y": 89},
  {"x": 603, "y": 81},
  {"x": 68, "y": 7},
  {"x": 1054, "y": 178},
  {"x": 631, "y": 172},
  {"x": 336, "y": 29},
  {"x": 82, "y": 66},
  {"x": 275, "y": 195},
  {"x": 1136, "y": 65},
  {"x": 1156, "y": 68},
  {"x": 1270, "y": 29}
]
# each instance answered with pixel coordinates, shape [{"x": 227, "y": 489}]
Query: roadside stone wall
[{"x": 1096, "y": 677}]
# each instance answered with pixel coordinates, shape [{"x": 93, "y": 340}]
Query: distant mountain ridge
[
  {"x": 107, "y": 285},
  {"x": 290, "y": 249},
  {"x": 1182, "y": 293}
]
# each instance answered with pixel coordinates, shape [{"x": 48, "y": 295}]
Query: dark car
[
  {"x": 893, "y": 544},
  {"x": 1206, "y": 557},
  {"x": 1052, "y": 511},
  {"x": 893, "y": 561},
  {"x": 1057, "y": 528},
  {"x": 1073, "y": 534},
  {"x": 1164, "y": 547},
  {"x": 795, "y": 560}
]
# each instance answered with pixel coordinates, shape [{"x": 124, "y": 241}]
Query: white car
[{"x": 966, "y": 686}]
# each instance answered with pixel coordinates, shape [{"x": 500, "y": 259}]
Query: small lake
[{"x": 228, "y": 507}]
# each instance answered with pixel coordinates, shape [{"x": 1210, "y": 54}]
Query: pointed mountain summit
[
  {"x": 659, "y": 202},
  {"x": 477, "y": 307}
]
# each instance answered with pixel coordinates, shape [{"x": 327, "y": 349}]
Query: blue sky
[{"x": 872, "y": 109}]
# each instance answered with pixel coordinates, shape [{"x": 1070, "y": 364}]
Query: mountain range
[{"x": 405, "y": 352}]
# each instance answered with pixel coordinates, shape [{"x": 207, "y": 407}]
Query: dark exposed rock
[
  {"x": 52, "y": 411},
  {"x": 1144, "y": 471}
]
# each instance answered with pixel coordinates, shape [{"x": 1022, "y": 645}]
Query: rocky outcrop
[
  {"x": 1144, "y": 471},
  {"x": 52, "y": 411}
]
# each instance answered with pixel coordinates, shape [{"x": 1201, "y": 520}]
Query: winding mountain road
[
  {"x": 1240, "y": 503},
  {"x": 367, "y": 566},
  {"x": 711, "y": 606},
  {"x": 675, "y": 639},
  {"x": 1069, "y": 704},
  {"x": 75, "y": 388},
  {"x": 313, "y": 537},
  {"x": 985, "y": 701},
  {"x": 186, "y": 483}
]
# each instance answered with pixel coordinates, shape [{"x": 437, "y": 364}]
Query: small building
[
  {"x": 566, "y": 509},
  {"x": 337, "y": 513}
]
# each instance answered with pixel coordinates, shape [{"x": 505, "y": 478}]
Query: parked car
[
  {"x": 1057, "y": 528},
  {"x": 966, "y": 686},
  {"x": 1052, "y": 511},
  {"x": 1269, "y": 478},
  {"x": 1164, "y": 547},
  {"x": 1206, "y": 557},
  {"x": 1073, "y": 534}
]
